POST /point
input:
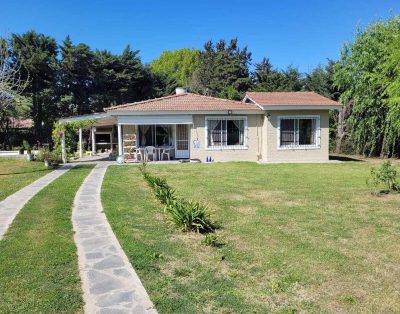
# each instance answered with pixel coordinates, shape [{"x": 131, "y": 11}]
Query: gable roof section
[
  {"x": 291, "y": 99},
  {"x": 185, "y": 102}
]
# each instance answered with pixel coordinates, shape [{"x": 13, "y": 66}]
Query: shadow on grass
[
  {"x": 23, "y": 172},
  {"x": 344, "y": 158}
]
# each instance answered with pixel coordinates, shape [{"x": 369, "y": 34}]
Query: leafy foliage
[
  {"x": 69, "y": 130},
  {"x": 367, "y": 74},
  {"x": 268, "y": 79},
  {"x": 38, "y": 56},
  {"x": 383, "y": 179},
  {"x": 186, "y": 215},
  {"x": 224, "y": 67},
  {"x": 211, "y": 239},
  {"x": 176, "y": 67}
]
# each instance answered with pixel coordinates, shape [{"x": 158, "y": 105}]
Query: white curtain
[
  {"x": 240, "y": 126},
  {"x": 142, "y": 133},
  {"x": 213, "y": 132}
]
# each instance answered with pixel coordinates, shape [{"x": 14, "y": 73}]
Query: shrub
[
  {"x": 43, "y": 154},
  {"x": 212, "y": 239},
  {"x": 26, "y": 146},
  {"x": 46, "y": 154},
  {"x": 190, "y": 216},
  {"x": 383, "y": 179},
  {"x": 186, "y": 215}
]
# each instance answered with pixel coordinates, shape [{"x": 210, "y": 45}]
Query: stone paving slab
[
  {"x": 109, "y": 282},
  {"x": 10, "y": 207}
]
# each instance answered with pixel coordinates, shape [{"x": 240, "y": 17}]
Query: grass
[
  {"x": 16, "y": 173},
  {"x": 38, "y": 261},
  {"x": 298, "y": 238}
]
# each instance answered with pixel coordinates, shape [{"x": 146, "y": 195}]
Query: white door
[{"x": 182, "y": 141}]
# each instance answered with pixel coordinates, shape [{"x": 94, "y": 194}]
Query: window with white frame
[
  {"x": 298, "y": 132},
  {"x": 226, "y": 132}
]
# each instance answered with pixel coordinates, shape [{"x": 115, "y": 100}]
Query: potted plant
[
  {"x": 46, "y": 156},
  {"x": 27, "y": 147}
]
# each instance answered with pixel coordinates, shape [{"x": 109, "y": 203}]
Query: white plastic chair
[
  {"x": 165, "y": 151},
  {"x": 138, "y": 153},
  {"x": 150, "y": 151}
]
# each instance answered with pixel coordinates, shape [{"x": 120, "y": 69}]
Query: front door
[{"x": 182, "y": 141}]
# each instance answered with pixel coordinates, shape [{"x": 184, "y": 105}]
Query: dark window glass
[
  {"x": 287, "y": 132},
  {"x": 225, "y": 132},
  {"x": 297, "y": 132}
]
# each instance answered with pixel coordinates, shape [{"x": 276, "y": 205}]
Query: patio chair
[
  {"x": 138, "y": 152},
  {"x": 165, "y": 151},
  {"x": 150, "y": 151}
]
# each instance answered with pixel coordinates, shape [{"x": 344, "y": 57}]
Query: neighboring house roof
[
  {"x": 266, "y": 99},
  {"x": 21, "y": 123},
  {"x": 185, "y": 102}
]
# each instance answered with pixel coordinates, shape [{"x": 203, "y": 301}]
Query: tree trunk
[{"x": 342, "y": 126}]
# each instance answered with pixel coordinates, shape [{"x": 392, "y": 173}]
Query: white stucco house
[{"x": 263, "y": 127}]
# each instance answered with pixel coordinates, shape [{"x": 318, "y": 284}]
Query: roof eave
[
  {"x": 183, "y": 112},
  {"x": 302, "y": 107}
]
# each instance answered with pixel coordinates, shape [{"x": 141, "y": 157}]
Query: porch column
[
  {"x": 80, "y": 143},
  {"x": 63, "y": 152},
  {"x": 120, "y": 152},
  {"x": 93, "y": 140}
]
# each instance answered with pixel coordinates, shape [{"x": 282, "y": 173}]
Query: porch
[{"x": 135, "y": 138}]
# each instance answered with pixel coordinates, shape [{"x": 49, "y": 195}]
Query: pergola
[{"x": 100, "y": 120}]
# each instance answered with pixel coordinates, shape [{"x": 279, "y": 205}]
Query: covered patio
[{"x": 128, "y": 138}]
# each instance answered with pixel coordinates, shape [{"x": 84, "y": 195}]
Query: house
[{"x": 264, "y": 127}]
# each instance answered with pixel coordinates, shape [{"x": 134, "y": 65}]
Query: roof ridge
[
  {"x": 152, "y": 100},
  {"x": 144, "y": 101},
  {"x": 219, "y": 98},
  {"x": 292, "y": 92}
]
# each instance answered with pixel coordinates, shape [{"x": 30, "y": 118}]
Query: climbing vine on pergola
[{"x": 66, "y": 131}]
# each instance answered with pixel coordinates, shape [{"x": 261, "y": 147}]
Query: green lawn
[
  {"x": 38, "y": 261},
  {"x": 16, "y": 173},
  {"x": 299, "y": 237}
]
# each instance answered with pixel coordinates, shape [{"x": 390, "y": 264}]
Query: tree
[
  {"x": 223, "y": 68},
  {"x": 38, "y": 56},
  {"x": 366, "y": 72},
  {"x": 268, "y": 79},
  {"x": 75, "y": 78},
  {"x": 176, "y": 67},
  {"x": 119, "y": 79},
  {"x": 11, "y": 87}
]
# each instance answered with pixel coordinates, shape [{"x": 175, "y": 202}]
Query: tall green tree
[
  {"x": 119, "y": 79},
  {"x": 365, "y": 72},
  {"x": 176, "y": 67},
  {"x": 223, "y": 70},
  {"x": 320, "y": 80},
  {"x": 38, "y": 56},
  {"x": 268, "y": 79},
  {"x": 75, "y": 78}
]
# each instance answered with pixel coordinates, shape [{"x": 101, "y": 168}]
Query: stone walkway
[
  {"x": 10, "y": 207},
  {"x": 109, "y": 282}
]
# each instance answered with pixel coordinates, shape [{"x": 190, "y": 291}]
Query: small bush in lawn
[
  {"x": 164, "y": 194},
  {"x": 211, "y": 239},
  {"x": 383, "y": 179},
  {"x": 190, "y": 216},
  {"x": 186, "y": 215}
]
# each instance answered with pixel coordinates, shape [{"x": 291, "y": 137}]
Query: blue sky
[{"x": 303, "y": 33}]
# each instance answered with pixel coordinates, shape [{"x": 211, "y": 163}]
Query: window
[
  {"x": 298, "y": 132},
  {"x": 155, "y": 135},
  {"x": 225, "y": 132}
]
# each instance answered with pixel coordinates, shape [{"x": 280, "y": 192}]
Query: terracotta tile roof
[
  {"x": 291, "y": 99},
  {"x": 21, "y": 123},
  {"x": 185, "y": 102}
]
